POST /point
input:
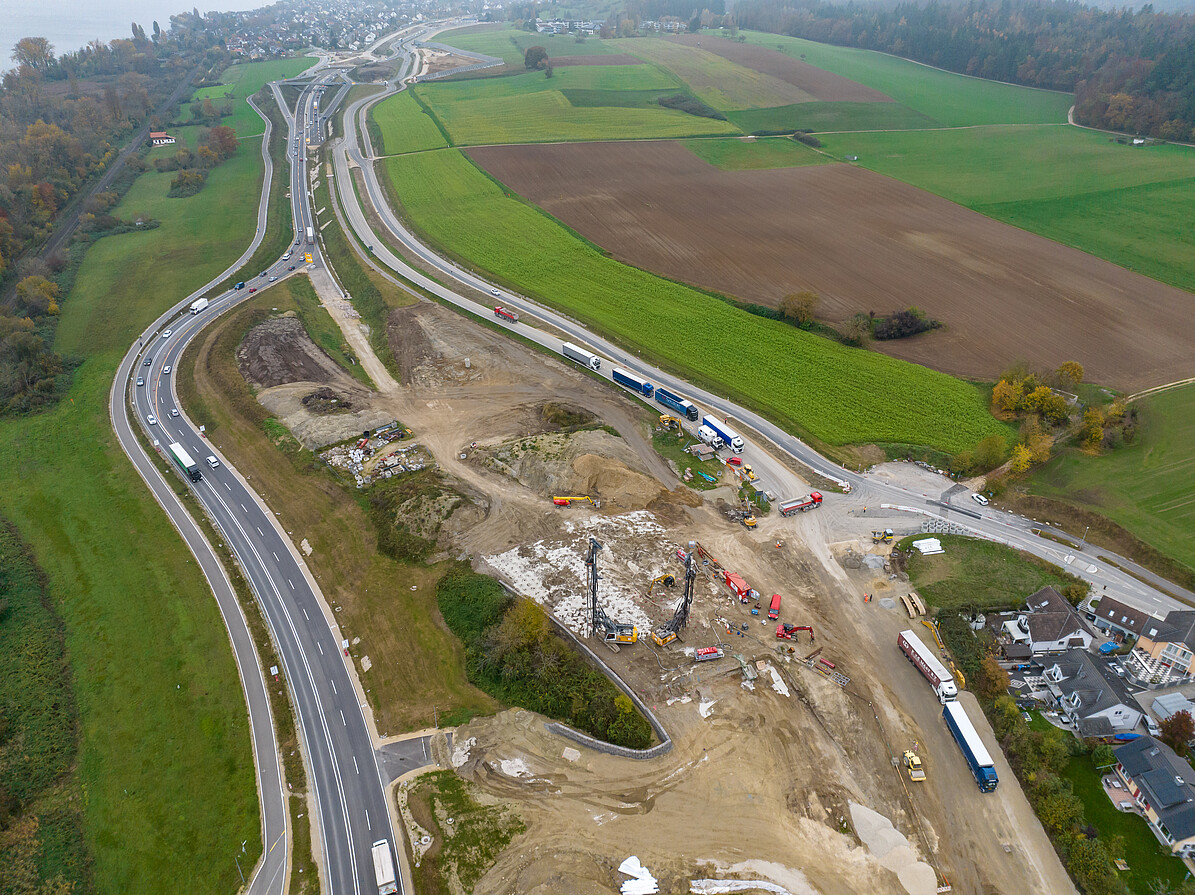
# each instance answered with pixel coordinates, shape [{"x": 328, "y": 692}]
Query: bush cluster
[
  {"x": 682, "y": 102},
  {"x": 512, "y": 653}
]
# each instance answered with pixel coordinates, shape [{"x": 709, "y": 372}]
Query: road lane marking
[
  {"x": 306, "y": 616},
  {"x": 367, "y": 823},
  {"x": 259, "y": 531},
  {"x": 344, "y": 722},
  {"x": 355, "y": 768},
  {"x": 292, "y": 587},
  {"x": 333, "y": 683},
  {"x": 321, "y": 647},
  {"x": 228, "y": 486},
  {"x": 276, "y": 559},
  {"x": 244, "y": 508}
]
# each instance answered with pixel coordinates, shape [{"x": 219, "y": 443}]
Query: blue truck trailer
[
  {"x": 633, "y": 382},
  {"x": 729, "y": 437},
  {"x": 676, "y": 402},
  {"x": 972, "y": 746}
]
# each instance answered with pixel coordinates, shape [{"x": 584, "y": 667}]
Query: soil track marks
[
  {"x": 823, "y": 86},
  {"x": 864, "y": 242}
]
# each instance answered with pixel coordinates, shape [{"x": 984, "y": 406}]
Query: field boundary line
[{"x": 1159, "y": 388}]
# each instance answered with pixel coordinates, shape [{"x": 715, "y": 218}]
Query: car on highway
[
  {"x": 141, "y": 380},
  {"x": 264, "y": 272},
  {"x": 151, "y": 419},
  {"x": 254, "y": 289},
  {"x": 495, "y": 292},
  {"x": 272, "y": 279},
  {"x": 212, "y": 462},
  {"x": 174, "y": 411},
  {"x": 166, "y": 333},
  {"x": 148, "y": 360},
  {"x": 980, "y": 499},
  {"x": 292, "y": 267},
  {"x": 166, "y": 370}
]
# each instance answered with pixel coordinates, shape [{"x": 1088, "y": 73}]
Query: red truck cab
[{"x": 774, "y": 608}]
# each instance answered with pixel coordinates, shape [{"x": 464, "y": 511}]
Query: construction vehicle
[
  {"x": 707, "y": 654},
  {"x": 882, "y": 537},
  {"x": 506, "y": 314},
  {"x": 565, "y": 501},
  {"x": 670, "y": 630},
  {"x": 913, "y": 766},
  {"x": 610, "y": 630},
  {"x": 749, "y": 473},
  {"x": 669, "y": 422},
  {"x": 750, "y": 521},
  {"x": 667, "y": 580},
  {"x": 800, "y": 504},
  {"x": 774, "y": 607},
  {"x": 785, "y": 631}
]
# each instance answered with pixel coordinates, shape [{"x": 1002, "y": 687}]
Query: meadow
[
  {"x": 737, "y": 154},
  {"x": 954, "y": 100},
  {"x": 1129, "y": 204},
  {"x": 530, "y": 108},
  {"x": 404, "y": 126},
  {"x": 1149, "y": 486},
  {"x": 835, "y": 116},
  {"x": 242, "y": 81},
  {"x": 834, "y": 394},
  {"x": 164, "y": 754},
  {"x": 509, "y": 44}
]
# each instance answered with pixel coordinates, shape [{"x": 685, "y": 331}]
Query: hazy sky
[{"x": 70, "y": 24}]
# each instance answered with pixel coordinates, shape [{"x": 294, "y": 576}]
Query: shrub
[{"x": 682, "y": 102}]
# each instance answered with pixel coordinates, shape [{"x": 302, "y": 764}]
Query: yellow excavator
[
  {"x": 565, "y": 501},
  {"x": 669, "y": 422},
  {"x": 665, "y": 580}
]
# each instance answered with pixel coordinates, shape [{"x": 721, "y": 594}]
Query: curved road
[
  {"x": 346, "y": 776},
  {"x": 944, "y": 501}
]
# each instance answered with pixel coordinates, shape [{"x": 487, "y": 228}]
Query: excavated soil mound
[{"x": 278, "y": 351}]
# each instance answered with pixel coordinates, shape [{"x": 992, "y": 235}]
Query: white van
[
  {"x": 710, "y": 437},
  {"x": 980, "y": 499}
]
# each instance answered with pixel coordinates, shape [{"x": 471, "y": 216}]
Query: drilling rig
[
  {"x": 670, "y": 630},
  {"x": 611, "y": 631}
]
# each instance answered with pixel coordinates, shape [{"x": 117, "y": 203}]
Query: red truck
[
  {"x": 774, "y": 608},
  {"x": 506, "y": 314},
  {"x": 801, "y": 504}
]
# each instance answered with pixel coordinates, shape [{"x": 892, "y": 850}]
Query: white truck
[
  {"x": 729, "y": 437},
  {"x": 710, "y": 437},
  {"x": 383, "y": 868},
  {"x": 199, "y": 304},
  {"x": 581, "y": 356},
  {"x": 311, "y": 235}
]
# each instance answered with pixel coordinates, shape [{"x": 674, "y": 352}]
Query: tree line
[{"x": 1130, "y": 70}]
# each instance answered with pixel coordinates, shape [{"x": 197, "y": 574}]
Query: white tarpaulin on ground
[
  {"x": 929, "y": 546},
  {"x": 642, "y": 882}
]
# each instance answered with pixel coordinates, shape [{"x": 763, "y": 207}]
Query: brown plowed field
[
  {"x": 597, "y": 59},
  {"x": 864, "y": 242},
  {"x": 822, "y": 85}
]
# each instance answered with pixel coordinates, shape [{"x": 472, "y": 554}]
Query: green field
[
  {"x": 1148, "y": 487},
  {"x": 831, "y": 117},
  {"x": 723, "y": 84},
  {"x": 509, "y": 43},
  {"x": 244, "y": 80},
  {"x": 737, "y": 154},
  {"x": 981, "y": 575},
  {"x": 1130, "y": 204},
  {"x": 529, "y": 108},
  {"x": 836, "y": 394},
  {"x": 164, "y": 754},
  {"x": 954, "y": 100},
  {"x": 404, "y": 126}
]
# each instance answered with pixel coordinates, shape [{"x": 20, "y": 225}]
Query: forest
[{"x": 1131, "y": 71}]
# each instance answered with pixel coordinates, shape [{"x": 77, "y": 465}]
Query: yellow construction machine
[
  {"x": 666, "y": 580},
  {"x": 669, "y": 422},
  {"x": 882, "y": 537},
  {"x": 565, "y": 501}
]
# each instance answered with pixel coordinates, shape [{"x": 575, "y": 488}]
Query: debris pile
[{"x": 378, "y": 456}]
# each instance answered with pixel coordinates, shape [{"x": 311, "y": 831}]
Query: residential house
[
  {"x": 1094, "y": 699},
  {"x": 1169, "y": 644},
  {"x": 1115, "y": 617},
  {"x": 1053, "y": 625},
  {"x": 1161, "y": 784}
]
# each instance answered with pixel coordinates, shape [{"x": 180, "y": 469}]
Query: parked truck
[
  {"x": 972, "y": 746},
  {"x": 506, "y": 314},
  {"x": 800, "y": 504},
  {"x": 675, "y": 402},
  {"x": 710, "y": 437},
  {"x": 311, "y": 235},
  {"x": 581, "y": 356},
  {"x": 199, "y": 304},
  {"x": 774, "y": 607},
  {"x": 731, "y": 438},
  {"x": 928, "y": 664},
  {"x": 383, "y": 868},
  {"x": 633, "y": 382}
]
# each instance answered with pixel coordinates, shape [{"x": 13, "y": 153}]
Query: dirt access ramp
[
  {"x": 822, "y": 86},
  {"x": 864, "y": 242}
]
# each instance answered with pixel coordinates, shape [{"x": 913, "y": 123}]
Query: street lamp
[{"x": 1083, "y": 542}]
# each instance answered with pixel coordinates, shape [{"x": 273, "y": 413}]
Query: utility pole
[{"x": 1083, "y": 542}]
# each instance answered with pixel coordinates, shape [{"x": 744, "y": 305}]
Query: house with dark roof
[
  {"x": 1115, "y": 617},
  {"x": 1053, "y": 625},
  {"x": 1096, "y": 701},
  {"x": 1161, "y": 784}
]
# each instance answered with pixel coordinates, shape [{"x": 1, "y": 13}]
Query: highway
[
  {"x": 346, "y": 777},
  {"x": 940, "y": 499}
]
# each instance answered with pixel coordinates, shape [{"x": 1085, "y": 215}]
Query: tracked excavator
[
  {"x": 670, "y": 630},
  {"x": 600, "y": 623}
]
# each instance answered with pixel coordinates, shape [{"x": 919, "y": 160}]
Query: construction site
[{"x": 766, "y": 650}]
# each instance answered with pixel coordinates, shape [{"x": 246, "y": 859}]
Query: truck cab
[{"x": 710, "y": 437}]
